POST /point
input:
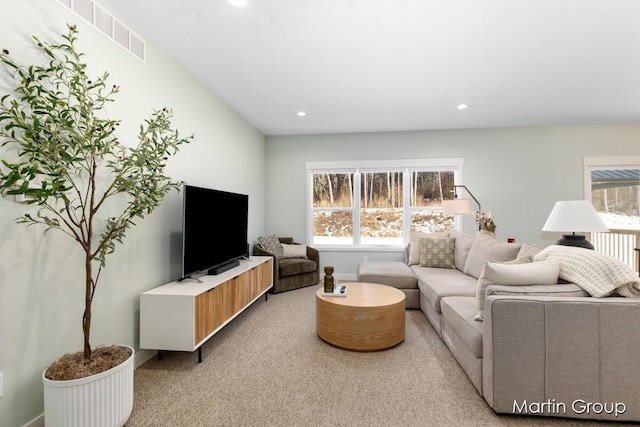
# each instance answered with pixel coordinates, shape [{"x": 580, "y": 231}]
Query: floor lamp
[{"x": 458, "y": 206}]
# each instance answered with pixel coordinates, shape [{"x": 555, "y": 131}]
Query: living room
[{"x": 517, "y": 172}]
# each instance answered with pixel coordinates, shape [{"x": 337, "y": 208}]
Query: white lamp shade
[
  {"x": 574, "y": 216},
  {"x": 456, "y": 207}
]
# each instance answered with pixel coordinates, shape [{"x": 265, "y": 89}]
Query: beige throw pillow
[
  {"x": 529, "y": 249},
  {"x": 461, "y": 248},
  {"x": 294, "y": 251},
  {"x": 437, "y": 253},
  {"x": 485, "y": 248},
  {"x": 519, "y": 272}
]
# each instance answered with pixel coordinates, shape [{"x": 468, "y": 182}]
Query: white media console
[{"x": 181, "y": 316}]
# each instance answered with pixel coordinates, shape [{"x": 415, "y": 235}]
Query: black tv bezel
[{"x": 216, "y": 266}]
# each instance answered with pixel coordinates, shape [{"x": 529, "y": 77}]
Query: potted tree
[{"x": 61, "y": 154}]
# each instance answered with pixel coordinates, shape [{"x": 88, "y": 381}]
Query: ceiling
[{"x": 390, "y": 65}]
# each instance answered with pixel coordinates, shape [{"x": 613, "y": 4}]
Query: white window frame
[
  {"x": 356, "y": 167},
  {"x": 620, "y": 246},
  {"x": 608, "y": 163}
]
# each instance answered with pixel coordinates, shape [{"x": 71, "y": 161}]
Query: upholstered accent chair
[{"x": 292, "y": 269}]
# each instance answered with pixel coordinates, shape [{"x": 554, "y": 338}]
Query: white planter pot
[{"x": 101, "y": 400}]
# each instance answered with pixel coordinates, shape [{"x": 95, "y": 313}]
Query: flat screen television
[{"x": 214, "y": 230}]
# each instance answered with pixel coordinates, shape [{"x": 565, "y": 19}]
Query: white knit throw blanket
[{"x": 599, "y": 274}]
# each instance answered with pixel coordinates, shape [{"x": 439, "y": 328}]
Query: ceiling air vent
[{"x": 102, "y": 20}]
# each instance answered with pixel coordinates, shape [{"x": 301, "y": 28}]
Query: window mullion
[
  {"x": 356, "y": 208},
  {"x": 406, "y": 206}
]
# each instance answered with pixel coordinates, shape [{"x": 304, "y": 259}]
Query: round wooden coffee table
[{"x": 369, "y": 318}]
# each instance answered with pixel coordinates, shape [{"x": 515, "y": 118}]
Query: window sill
[{"x": 337, "y": 248}]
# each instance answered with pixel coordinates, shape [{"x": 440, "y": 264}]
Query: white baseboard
[
  {"x": 36, "y": 422},
  {"x": 142, "y": 356}
]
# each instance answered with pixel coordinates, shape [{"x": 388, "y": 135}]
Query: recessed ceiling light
[
  {"x": 463, "y": 107},
  {"x": 238, "y": 3},
  {"x": 301, "y": 113}
]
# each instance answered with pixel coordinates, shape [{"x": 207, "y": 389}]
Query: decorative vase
[
  {"x": 100, "y": 400},
  {"x": 486, "y": 232},
  {"x": 328, "y": 279}
]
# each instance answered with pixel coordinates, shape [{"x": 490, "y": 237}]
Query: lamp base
[{"x": 574, "y": 240}]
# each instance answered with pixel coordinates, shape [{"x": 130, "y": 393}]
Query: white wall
[
  {"x": 41, "y": 278},
  {"x": 517, "y": 173}
]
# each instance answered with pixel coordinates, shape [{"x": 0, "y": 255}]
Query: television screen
[{"x": 214, "y": 229}]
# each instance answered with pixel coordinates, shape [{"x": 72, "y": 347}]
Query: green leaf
[{"x": 51, "y": 121}]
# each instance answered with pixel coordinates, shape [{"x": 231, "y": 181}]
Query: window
[
  {"x": 613, "y": 186},
  {"x": 377, "y": 204},
  {"x": 381, "y": 207},
  {"x": 428, "y": 189},
  {"x": 333, "y": 208}
]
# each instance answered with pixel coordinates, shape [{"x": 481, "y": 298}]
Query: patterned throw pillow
[
  {"x": 437, "y": 253},
  {"x": 271, "y": 244},
  {"x": 414, "y": 244}
]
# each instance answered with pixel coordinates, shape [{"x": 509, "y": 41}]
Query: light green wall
[
  {"x": 517, "y": 173},
  {"x": 41, "y": 278}
]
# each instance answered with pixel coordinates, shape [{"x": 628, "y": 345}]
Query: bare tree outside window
[
  {"x": 428, "y": 190},
  {"x": 374, "y": 212},
  {"x": 381, "y": 202},
  {"x": 333, "y": 194},
  {"x": 615, "y": 194}
]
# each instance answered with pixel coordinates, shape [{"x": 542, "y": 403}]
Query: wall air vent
[{"x": 102, "y": 20}]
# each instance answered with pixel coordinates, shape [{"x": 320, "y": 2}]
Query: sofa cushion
[
  {"x": 395, "y": 274},
  {"x": 558, "y": 290},
  {"x": 414, "y": 244},
  {"x": 485, "y": 248},
  {"x": 462, "y": 247},
  {"x": 437, "y": 253},
  {"x": 516, "y": 273},
  {"x": 271, "y": 244},
  {"x": 294, "y": 266},
  {"x": 294, "y": 251},
  {"x": 437, "y": 283},
  {"x": 529, "y": 249},
  {"x": 458, "y": 313}
]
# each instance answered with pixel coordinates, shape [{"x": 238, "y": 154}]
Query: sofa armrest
[
  {"x": 314, "y": 255},
  {"x": 259, "y": 251},
  {"x": 571, "y": 351}
]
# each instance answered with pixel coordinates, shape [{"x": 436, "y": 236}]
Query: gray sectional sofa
[{"x": 529, "y": 346}]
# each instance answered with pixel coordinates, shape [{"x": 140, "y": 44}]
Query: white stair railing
[{"x": 620, "y": 244}]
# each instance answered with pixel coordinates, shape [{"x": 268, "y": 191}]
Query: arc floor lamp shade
[
  {"x": 574, "y": 216},
  {"x": 456, "y": 207}
]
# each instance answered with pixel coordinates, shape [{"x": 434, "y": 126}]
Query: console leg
[
  {"x": 266, "y": 296},
  {"x": 199, "y": 354},
  {"x": 159, "y": 355}
]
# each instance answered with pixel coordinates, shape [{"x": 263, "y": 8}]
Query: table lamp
[{"x": 574, "y": 216}]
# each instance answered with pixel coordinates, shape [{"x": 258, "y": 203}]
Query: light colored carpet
[{"x": 269, "y": 368}]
